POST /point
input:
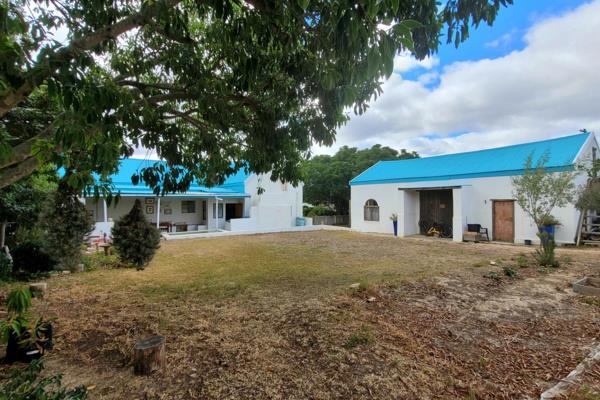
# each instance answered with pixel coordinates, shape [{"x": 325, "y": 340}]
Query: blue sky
[{"x": 529, "y": 76}]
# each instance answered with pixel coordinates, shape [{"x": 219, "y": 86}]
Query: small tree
[
  {"x": 66, "y": 222},
  {"x": 538, "y": 191},
  {"x": 135, "y": 239},
  {"x": 589, "y": 195}
]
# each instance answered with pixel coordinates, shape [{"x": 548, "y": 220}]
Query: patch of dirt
[{"x": 463, "y": 331}]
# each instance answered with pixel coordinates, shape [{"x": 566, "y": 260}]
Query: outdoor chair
[{"x": 478, "y": 231}]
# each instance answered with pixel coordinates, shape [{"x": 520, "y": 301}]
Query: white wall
[
  {"x": 276, "y": 207},
  {"x": 472, "y": 204}
]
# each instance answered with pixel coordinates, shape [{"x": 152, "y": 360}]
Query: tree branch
[
  {"x": 41, "y": 72},
  {"x": 13, "y": 174}
]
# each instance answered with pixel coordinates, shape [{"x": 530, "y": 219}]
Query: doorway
[
  {"x": 435, "y": 209},
  {"x": 234, "y": 210},
  {"x": 503, "y": 214}
]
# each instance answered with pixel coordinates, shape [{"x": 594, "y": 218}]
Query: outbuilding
[{"x": 455, "y": 190}]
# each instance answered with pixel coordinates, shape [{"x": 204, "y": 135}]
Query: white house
[
  {"x": 236, "y": 205},
  {"x": 466, "y": 188}
]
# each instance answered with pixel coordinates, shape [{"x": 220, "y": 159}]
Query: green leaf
[{"x": 303, "y": 4}]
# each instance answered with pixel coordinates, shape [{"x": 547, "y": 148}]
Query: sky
[{"x": 534, "y": 75}]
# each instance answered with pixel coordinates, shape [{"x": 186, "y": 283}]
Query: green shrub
[
  {"x": 27, "y": 384},
  {"x": 135, "y": 239},
  {"x": 362, "y": 337},
  {"x": 522, "y": 261},
  {"x": 510, "y": 272},
  {"x": 545, "y": 255},
  {"x": 31, "y": 257},
  {"x": 67, "y": 222},
  {"x": 318, "y": 210},
  {"x": 100, "y": 261}
]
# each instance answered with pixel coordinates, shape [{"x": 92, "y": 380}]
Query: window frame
[
  {"x": 185, "y": 206},
  {"x": 371, "y": 211}
]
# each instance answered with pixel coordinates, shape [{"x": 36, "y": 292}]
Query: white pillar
[
  {"x": 158, "y": 212},
  {"x": 104, "y": 210},
  {"x": 218, "y": 213},
  {"x": 457, "y": 215}
]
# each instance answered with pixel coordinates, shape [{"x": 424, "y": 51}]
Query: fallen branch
[{"x": 565, "y": 384}]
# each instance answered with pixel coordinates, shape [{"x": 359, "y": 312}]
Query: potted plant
[
  {"x": 25, "y": 340},
  {"x": 547, "y": 225},
  {"x": 394, "y": 218}
]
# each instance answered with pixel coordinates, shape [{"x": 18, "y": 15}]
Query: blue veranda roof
[
  {"x": 232, "y": 187},
  {"x": 500, "y": 161}
]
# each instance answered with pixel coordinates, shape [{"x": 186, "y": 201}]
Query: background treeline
[{"x": 326, "y": 177}]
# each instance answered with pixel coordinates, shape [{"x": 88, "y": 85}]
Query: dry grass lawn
[{"x": 273, "y": 317}]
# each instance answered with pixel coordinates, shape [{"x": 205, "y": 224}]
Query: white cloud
[
  {"x": 550, "y": 88},
  {"x": 405, "y": 62},
  {"x": 502, "y": 41}
]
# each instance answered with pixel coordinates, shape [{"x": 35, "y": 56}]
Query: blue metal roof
[
  {"x": 500, "y": 161},
  {"x": 232, "y": 187}
]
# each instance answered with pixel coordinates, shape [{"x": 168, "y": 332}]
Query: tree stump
[
  {"x": 38, "y": 289},
  {"x": 149, "y": 355}
]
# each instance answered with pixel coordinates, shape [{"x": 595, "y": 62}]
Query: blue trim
[
  {"x": 186, "y": 195},
  {"x": 461, "y": 176}
]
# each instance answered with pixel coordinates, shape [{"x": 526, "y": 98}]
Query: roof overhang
[
  {"x": 422, "y": 188},
  {"x": 186, "y": 195}
]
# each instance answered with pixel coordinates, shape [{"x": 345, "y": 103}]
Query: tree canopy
[
  {"x": 212, "y": 85},
  {"x": 326, "y": 177},
  {"x": 539, "y": 191}
]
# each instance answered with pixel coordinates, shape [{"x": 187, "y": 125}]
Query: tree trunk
[
  {"x": 149, "y": 355},
  {"x": 2, "y": 234}
]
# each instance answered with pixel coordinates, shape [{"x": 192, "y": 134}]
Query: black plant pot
[{"x": 15, "y": 352}]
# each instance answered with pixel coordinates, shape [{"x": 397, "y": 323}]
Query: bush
[
  {"x": 510, "y": 272},
  {"x": 135, "y": 239},
  {"x": 362, "y": 337},
  {"x": 318, "y": 210},
  {"x": 545, "y": 255},
  {"x": 100, "y": 261},
  {"x": 26, "y": 384},
  {"x": 31, "y": 257},
  {"x": 67, "y": 223}
]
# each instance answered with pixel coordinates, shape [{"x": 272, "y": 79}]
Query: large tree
[
  {"x": 326, "y": 177},
  {"x": 212, "y": 85}
]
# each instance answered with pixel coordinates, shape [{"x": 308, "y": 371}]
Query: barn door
[{"x": 504, "y": 220}]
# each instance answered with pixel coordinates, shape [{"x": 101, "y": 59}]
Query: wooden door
[
  {"x": 435, "y": 207},
  {"x": 504, "y": 220}
]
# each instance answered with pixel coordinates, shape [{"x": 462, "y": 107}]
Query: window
[
  {"x": 594, "y": 154},
  {"x": 371, "y": 210},
  {"x": 204, "y": 211},
  {"x": 188, "y": 206},
  {"x": 220, "y": 210}
]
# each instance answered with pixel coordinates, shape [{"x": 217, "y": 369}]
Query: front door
[{"x": 504, "y": 220}]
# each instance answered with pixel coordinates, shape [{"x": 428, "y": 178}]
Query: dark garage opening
[{"x": 436, "y": 208}]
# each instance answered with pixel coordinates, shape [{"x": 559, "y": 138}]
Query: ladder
[{"x": 588, "y": 231}]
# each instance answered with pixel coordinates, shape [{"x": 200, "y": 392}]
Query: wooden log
[
  {"x": 149, "y": 355},
  {"x": 38, "y": 289}
]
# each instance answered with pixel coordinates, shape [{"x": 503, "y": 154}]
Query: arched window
[{"x": 371, "y": 210}]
